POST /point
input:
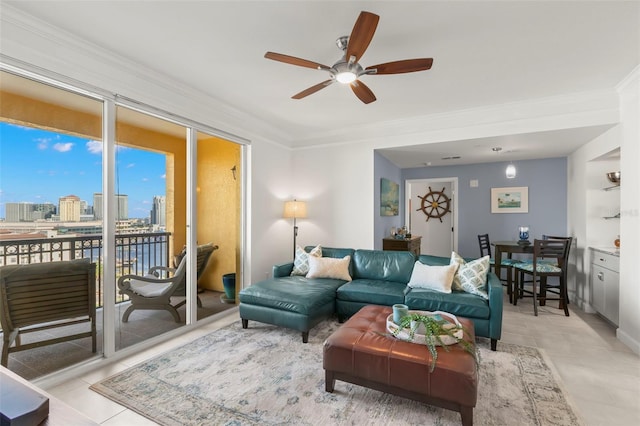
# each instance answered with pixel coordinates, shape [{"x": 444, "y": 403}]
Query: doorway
[{"x": 430, "y": 211}]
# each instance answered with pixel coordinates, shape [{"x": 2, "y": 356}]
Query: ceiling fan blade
[
  {"x": 361, "y": 34},
  {"x": 362, "y": 92},
  {"x": 295, "y": 61},
  {"x": 313, "y": 89},
  {"x": 399, "y": 67}
]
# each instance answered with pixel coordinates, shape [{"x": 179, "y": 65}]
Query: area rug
[{"x": 265, "y": 375}]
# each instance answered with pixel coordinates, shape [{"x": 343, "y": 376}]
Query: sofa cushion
[
  {"x": 336, "y": 253},
  {"x": 328, "y": 267},
  {"x": 301, "y": 261},
  {"x": 376, "y": 292},
  {"x": 456, "y": 302},
  {"x": 471, "y": 276},
  {"x": 296, "y": 293},
  {"x": 395, "y": 266},
  {"x": 437, "y": 278}
]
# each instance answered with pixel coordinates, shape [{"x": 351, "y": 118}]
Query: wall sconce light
[{"x": 295, "y": 210}]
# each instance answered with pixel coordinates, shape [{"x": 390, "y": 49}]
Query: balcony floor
[{"x": 143, "y": 324}]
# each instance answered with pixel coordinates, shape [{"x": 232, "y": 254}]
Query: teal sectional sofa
[{"x": 378, "y": 278}]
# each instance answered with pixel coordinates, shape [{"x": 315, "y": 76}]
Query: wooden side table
[{"x": 406, "y": 244}]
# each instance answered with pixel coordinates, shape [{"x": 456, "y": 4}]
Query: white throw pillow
[
  {"x": 438, "y": 278},
  {"x": 301, "y": 261},
  {"x": 471, "y": 276},
  {"x": 329, "y": 267}
]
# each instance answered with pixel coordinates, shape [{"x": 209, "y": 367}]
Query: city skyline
[{"x": 40, "y": 166}]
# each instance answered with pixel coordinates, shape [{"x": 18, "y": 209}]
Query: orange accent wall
[{"x": 218, "y": 207}]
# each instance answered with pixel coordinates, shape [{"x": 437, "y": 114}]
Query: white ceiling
[{"x": 485, "y": 53}]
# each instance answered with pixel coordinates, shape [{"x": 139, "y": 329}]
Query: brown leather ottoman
[{"x": 362, "y": 352}]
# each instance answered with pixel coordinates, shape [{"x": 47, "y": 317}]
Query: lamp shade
[
  {"x": 295, "y": 209},
  {"x": 511, "y": 171}
]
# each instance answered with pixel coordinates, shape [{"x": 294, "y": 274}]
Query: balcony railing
[{"x": 135, "y": 253}]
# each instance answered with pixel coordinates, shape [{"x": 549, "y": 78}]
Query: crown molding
[{"x": 632, "y": 78}]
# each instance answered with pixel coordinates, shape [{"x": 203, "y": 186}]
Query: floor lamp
[{"x": 295, "y": 210}]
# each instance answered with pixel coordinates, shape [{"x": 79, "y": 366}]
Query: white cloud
[
  {"x": 164, "y": 176},
  {"x": 43, "y": 143},
  {"x": 94, "y": 147},
  {"x": 130, "y": 165},
  {"x": 63, "y": 147},
  {"x": 145, "y": 179}
]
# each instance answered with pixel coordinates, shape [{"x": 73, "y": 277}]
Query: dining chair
[
  {"x": 507, "y": 264},
  {"x": 550, "y": 259},
  {"x": 570, "y": 239}
]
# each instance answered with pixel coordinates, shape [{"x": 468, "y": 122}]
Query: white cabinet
[{"x": 605, "y": 284}]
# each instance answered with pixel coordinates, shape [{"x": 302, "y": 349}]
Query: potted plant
[{"x": 435, "y": 330}]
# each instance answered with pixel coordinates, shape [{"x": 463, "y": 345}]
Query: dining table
[{"x": 510, "y": 248}]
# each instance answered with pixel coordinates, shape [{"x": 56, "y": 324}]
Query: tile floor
[{"x": 600, "y": 374}]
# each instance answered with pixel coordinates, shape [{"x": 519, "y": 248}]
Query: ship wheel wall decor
[{"x": 435, "y": 204}]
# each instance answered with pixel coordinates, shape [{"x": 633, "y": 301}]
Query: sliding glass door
[
  {"x": 50, "y": 167},
  {"x": 150, "y": 201},
  {"x": 89, "y": 175}
]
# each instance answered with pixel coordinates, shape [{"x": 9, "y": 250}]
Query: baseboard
[{"x": 625, "y": 338}]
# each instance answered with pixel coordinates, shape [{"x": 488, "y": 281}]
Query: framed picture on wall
[
  {"x": 510, "y": 200},
  {"x": 389, "y": 197}
]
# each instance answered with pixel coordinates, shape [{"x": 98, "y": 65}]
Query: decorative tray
[{"x": 419, "y": 335}]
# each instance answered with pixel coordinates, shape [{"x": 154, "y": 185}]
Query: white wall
[
  {"x": 629, "y": 327},
  {"x": 270, "y": 235},
  {"x": 337, "y": 181}
]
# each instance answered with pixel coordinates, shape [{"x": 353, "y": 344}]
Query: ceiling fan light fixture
[
  {"x": 347, "y": 70},
  {"x": 346, "y": 77}
]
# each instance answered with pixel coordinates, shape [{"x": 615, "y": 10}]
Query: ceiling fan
[{"x": 347, "y": 70}]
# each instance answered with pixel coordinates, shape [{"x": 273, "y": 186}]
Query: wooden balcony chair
[
  {"x": 155, "y": 289},
  {"x": 550, "y": 259},
  {"x": 41, "y": 296},
  {"x": 203, "y": 254}
]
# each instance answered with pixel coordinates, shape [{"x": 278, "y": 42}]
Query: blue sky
[{"x": 40, "y": 166}]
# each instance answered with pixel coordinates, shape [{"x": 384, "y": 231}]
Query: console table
[{"x": 405, "y": 244}]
